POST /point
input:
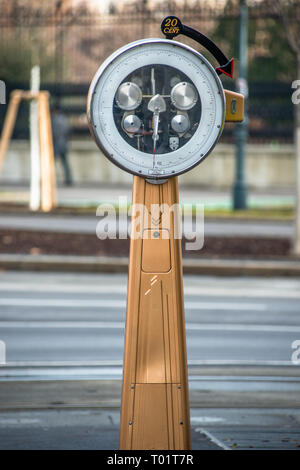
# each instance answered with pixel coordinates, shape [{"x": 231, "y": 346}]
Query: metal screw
[
  {"x": 130, "y": 423},
  {"x": 156, "y": 234},
  {"x": 181, "y": 422}
]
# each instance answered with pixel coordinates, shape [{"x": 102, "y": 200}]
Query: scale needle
[{"x": 157, "y": 105}]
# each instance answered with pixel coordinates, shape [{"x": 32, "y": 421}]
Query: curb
[
  {"x": 100, "y": 394},
  {"x": 207, "y": 266},
  {"x": 96, "y": 394}
]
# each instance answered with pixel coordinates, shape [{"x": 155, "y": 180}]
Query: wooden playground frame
[{"x": 47, "y": 166}]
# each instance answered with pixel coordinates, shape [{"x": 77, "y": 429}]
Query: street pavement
[
  {"x": 120, "y": 196},
  {"x": 81, "y": 317},
  {"x": 89, "y": 224},
  {"x": 64, "y": 337},
  {"x": 98, "y": 429},
  {"x": 92, "y": 194}
]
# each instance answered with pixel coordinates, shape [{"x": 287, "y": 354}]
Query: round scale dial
[{"x": 156, "y": 108}]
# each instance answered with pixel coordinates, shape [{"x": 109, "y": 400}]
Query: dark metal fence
[
  {"x": 270, "y": 111},
  {"x": 70, "y": 43}
]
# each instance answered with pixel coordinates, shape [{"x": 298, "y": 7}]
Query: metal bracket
[{"x": 171, "y": 27}]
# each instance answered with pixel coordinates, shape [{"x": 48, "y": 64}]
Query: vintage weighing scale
[{"x": 156, "y": 109}]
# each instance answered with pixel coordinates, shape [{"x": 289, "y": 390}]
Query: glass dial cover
[{"x": 156, "y": 108}]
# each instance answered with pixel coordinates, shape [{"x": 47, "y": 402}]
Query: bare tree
[{"x": 288, "y": 12}]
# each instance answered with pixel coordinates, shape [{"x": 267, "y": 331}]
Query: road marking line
[
  {"x": 206, "y": 419},
  {"x": 243, "y": 327},
  {"x": 239, "y": 362},
  {"x": 62, "y": 324},
  {"x": 119, "y": 362},
  {"x": 73, "y": 303},
  {"x": 241, "y": 292},
  {"x": 213, "y": 438},
  {"x": 251, "y": 291},
  {"x": 107, "y": 303},
  {"x": 97, "y": 289},
  {"x": 225, "y": 306},
  {"x": 35, "y": 364},
  {"x": 62, "y": 372},
  {"x": 121, "y": 325},
  {"x": 10, "y": 421}
]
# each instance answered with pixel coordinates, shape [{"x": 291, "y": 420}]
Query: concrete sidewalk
[
  {"x": 246, "y": 408},
  {"x": 86, "y": 195},
  {"x": 83, "y": 415},
  {"x": 85, "y": 223},
  {"x": 98, "y": 429}
]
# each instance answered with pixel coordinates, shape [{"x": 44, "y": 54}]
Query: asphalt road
[
  {"x": 80, "y": 318},
  {"x": 212, "y": 429},
  {"x": 62, "y": 328}
]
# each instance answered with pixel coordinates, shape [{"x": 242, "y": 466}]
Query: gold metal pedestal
[{"x": 155, "y": 402}]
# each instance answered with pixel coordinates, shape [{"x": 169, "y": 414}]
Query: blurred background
[
  {"x": 63, "y": 290},
  {"x": 70, "y": 39}
]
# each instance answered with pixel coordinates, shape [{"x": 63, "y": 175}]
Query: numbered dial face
[{"x": 156, "y": 108}]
